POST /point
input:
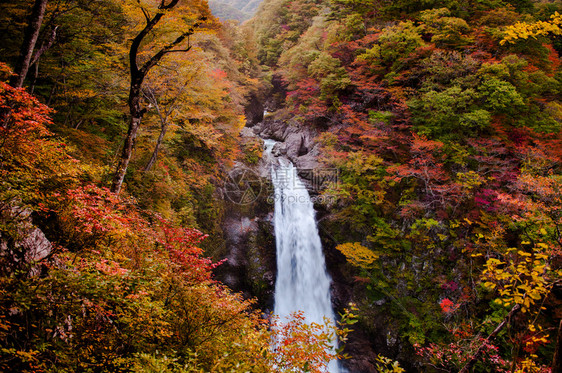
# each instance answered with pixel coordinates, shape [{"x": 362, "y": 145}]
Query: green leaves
[
  {"x": 329, "y": 72},
  {"x": 445, "y": 31},
  {"x": 395, "y": 43},
  {"x": 500, "y": 96},
  {"x": 452, "y": 113}
]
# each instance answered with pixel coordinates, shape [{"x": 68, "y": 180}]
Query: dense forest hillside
[
  {"x": 444, "y": 121},
  {"x": 120, "y": 123}
]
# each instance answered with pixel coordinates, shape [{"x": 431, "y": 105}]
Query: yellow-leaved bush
[
  {"x": 358, "y": 254},
  {"x": 522, "y": 278},
  {"x": 521, "y": 30}
]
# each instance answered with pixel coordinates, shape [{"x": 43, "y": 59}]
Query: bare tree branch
[
  {"x": 45, "y": 46},
  {"x": 165, "y": 50},
  {"x": 490, "y": 338}
]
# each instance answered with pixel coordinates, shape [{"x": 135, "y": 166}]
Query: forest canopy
[{"x": 119, "y": 123}]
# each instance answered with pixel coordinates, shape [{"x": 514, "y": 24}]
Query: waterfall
[{"x": 302, "y": 281}]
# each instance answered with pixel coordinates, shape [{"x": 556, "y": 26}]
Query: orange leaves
[
  {"x": 91, "y": 217},
  {"x": 111, "y": 268},
  {"x": 427, "y": 167},
  {"x": 291, "y": 344},
  {"x": 553, "y": 58},
  {"x": 23, "y": 122},
  {"x": 184, "y": 257},
  {"x": 31, "y": 161},
  {"x": 218, "y": 74},
  {"x": 421, "y": 144},
  {"x": 448, "y": 306},
  {"x": 300, "y": 346},
  {"x": 536, "y": 203}
]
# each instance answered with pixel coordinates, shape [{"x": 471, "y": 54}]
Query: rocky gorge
[{"x": 249, "y": 232}]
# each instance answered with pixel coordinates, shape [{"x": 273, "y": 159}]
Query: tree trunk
[
  {"x": 35, "y": 60},
  {"x": 557, "y": 362},
  {"x": 134, "y": 124},
  {"x": 156, "y": 148},
  {"x": 29, "y": 40},
  {"x": 137, "y": 78}
]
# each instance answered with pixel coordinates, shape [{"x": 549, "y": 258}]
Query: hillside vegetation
[
  {"x": 93, "y": 280},
  {"x": 119, "y": 122},
  {"x": 444, "y": 121}
]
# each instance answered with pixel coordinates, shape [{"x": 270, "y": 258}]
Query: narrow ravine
[{"x": 302, "y": 284}]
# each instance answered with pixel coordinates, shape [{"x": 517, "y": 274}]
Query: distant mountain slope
[
  {"x": 249, "y": 6},
  {"x": 226, "y": 12},
  {"x": 239, "y": 10}
]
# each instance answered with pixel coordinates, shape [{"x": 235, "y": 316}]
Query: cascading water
[{"x": 302, "y": 281}]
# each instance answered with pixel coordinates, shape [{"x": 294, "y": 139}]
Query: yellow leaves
[
  {"x": 489, "y": 285},
  {"x": 494, "y": 262},
  {"x": 522, "y": 278},
  {"x": 538, "y": 336},
  {"x": 241, "y": 123},
  {"x": 524, "y": 31},
  {"x": 358, "y": 254},
  {"x": 470, "y": 179},
  {"x": 529, "y": 365},
  {"x": 386, "y": 365}
]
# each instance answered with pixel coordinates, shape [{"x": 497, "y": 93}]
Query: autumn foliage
[
  {"x": 119, "y": 288},
  {"x": 444, "y": 120},
  {"x": 442, "y": 117}
]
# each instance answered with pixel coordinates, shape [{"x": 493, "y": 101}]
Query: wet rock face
[
  {"x": 36, "y": 246},
  {"x": 248, "y": 233},
  {"x": 364, "y": 357},
  {"x": 260, "y": 104},
  {"x": 276, "y": 98},
  {"x": 250, "y": 262},
  {"x": 32, "y": 248},
  {"x": 274, "y": 129},
  {"x": 254, "y": 111},
  {"x": 28, "y": 246},
  {"x": 250, "y": 265},
  {"x": 295, "y": 141},
  {"x": 296, "y": 144}
]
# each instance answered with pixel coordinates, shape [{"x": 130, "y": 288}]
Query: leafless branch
[{"x": 490, "y": 338}]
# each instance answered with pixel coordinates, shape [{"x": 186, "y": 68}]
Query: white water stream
[{"x": 302, "y": 281}]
